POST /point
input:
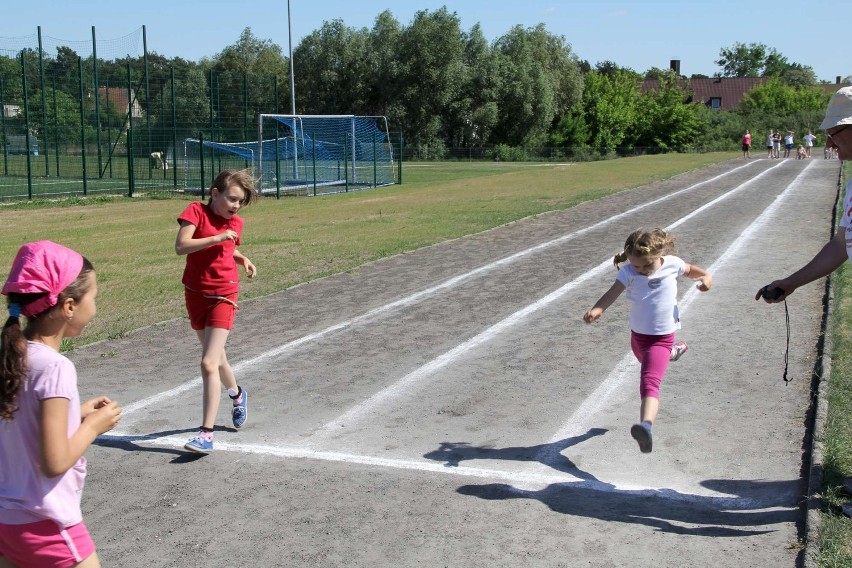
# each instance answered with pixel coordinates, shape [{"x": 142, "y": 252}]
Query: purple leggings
[{"x": 654, "y": 353}]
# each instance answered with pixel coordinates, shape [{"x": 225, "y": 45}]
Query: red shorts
[
  {"x": 45, "y": 545},
  {"x": 210, "y": 311}
]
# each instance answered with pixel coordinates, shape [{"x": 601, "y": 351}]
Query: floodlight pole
[
  {"x": 292, "y": 79},
  {"x": 292, "y": 91}
]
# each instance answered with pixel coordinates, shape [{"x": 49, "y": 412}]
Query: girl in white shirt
[{"x": 649, "y": 275}]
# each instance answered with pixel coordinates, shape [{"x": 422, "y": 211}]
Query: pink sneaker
[{"x": 678, "y": 349}]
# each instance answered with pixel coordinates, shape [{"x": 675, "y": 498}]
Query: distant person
[
  {"x": 208, "y": 236},
  {"x": 770, "y": 144},
  {"x": 801, "y": 154},
  {"x": 776, "y": 145},
  {"x": 809, "y": 139},
  {"x": 44, "y": 429},
  {"x": 747, "y": 144},
  {"x": 649, "y": 275},
  {"x": 788, "y": 143},
  {"x": 158, "y": 161}
]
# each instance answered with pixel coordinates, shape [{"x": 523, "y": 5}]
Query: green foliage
[
  {"x": 779, "y": 99},
  {"x": 540, "y": 81},
  {"x": 506, "y": 153},
  {"x": 665, "y": 121},
  {"x": 610, "y": 105},
  {"x": 758, "y": 60}
]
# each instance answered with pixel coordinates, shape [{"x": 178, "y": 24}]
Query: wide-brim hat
[{"x": 839, "y": 111}]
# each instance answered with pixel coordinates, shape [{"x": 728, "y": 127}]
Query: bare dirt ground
[{"x": 449, "y": 407}]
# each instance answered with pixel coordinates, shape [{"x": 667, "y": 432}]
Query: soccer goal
[
  {"x": 312, "y": 154},
  {"x": 204, "y": 159}
]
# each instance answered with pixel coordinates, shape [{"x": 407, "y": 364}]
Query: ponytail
[{"x": 13, "y": 361}]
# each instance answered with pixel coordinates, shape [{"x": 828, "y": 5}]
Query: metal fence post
[
  {"x": 83, "y": 127},
  {"x": 130, "y": 173},
  {"x": 27, "y": 125}
]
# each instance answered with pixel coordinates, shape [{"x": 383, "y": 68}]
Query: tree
[
  {"x": 432, "y": 73},
  {"x": 610, "y": 105},
  {"x": 540, "y": 81},
  {"x": 240, "y": 72},
  {"x": 778, "y": 99},
  {"x": 332, "y": 70},
  {"x": 758, "y": 60},
  {"x": 478, "y": 108},
  {"x": 665, "y": 119},
  {"x": 742, "y": 60}
]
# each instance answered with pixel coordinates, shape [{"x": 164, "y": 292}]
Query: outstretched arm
[
  {"x": 704, "y": 279},
  {"x": 826, "y": 261},
  {"x": 604, "y": 302}
]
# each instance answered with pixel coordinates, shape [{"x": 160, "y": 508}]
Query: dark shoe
[{"x": 643, "y": 436}]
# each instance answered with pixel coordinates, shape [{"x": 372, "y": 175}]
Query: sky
[{"x": 640, "y": 34}]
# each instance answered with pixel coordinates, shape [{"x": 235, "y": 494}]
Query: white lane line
[
  {"x": 402, "y": 385},
  {"x": 409, "y": 300},
  {"x": 628, "y": 365},
  {"x": 517, "y": 479}
]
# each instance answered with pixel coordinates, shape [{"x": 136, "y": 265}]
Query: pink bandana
[{"x": 42, "y": 267}]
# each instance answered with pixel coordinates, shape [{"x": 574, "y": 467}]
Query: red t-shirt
[{"x": 211, "y": 270}]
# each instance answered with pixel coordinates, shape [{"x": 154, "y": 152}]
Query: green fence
[{"x": 106, "y": 116}]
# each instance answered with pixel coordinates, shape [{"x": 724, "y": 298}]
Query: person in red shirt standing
[
  {"x": 208, "y": 236},
  {"x": 747, "y": 144}
]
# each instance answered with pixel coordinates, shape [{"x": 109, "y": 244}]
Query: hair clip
[{"x": 14, "y": 310}]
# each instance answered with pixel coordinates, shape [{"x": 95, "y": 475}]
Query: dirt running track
[{"x": 449, "y": 407}]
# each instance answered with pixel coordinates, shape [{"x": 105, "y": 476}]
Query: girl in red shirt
[{"x": 208, "y": 236}]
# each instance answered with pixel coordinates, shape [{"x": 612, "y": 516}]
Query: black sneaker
[{"x": 643, "y": 436}]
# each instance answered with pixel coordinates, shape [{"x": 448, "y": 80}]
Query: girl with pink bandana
[{"x": 44, "y": 429}]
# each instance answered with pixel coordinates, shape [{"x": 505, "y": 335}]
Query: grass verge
[{"x": 835, "y": 538}]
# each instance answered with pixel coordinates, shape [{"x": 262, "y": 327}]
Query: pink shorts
[
  {"x": 45, "y": 545},
  {"x": 210, "y": 311}
]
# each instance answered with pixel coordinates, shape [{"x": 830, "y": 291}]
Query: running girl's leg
[
  {"x": 213, "y": 341},
  {"x": 653, "y": 353}
]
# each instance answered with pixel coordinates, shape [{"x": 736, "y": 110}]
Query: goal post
[{"x": 310, "y": 154}]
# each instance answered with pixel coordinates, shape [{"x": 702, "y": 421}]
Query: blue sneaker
[
  {"x": 202, "y": 443},
  {"x": 240, "y": 411},
  {"x": 643, "y": 436}
]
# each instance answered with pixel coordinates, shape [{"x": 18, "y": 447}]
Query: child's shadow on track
[
  {"x": 665, "y": 510},
  {"x": 548, "y": 454},
  {"x": 129, "y": 443}
]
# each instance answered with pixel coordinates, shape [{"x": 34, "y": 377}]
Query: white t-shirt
[
  {"x": 26, "y": 494},
  {"x": 653, "y": 299},
  {"x": 846, "y": 220},
  {"x": 809, "y": 139}
]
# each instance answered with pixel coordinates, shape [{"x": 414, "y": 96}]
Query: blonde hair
[
  {"x": 242, "y": 179},
  {"x": 646, "y": 244}
]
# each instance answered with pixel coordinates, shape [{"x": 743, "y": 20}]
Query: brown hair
[
  {"x": 242, "y": 179},
  {"x": 646, "y": 244},
  {"x": 13, "y": 340}
]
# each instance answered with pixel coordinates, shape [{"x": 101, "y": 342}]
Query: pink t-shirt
[
  {"x": 27, "y": 495},
  {"x": 211, "y": 270}
]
